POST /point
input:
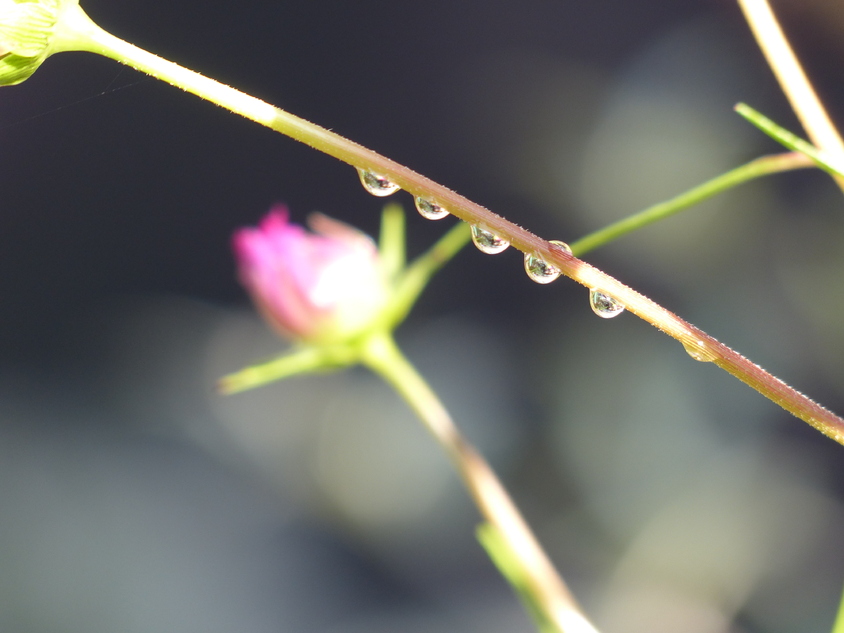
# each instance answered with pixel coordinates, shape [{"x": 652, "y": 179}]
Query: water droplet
[
  {"x": 541, "y": 271},
  {"x": 488, "y": 242},
  {"x": 430, "y": 210},
  {"x": 376, "y": 184},
  {"x": 604, "y": 305},
  {"x": 699, "y": 351}
]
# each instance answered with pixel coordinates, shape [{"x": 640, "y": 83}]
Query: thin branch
[
  {"x": 831, "y": 164},
  {"x": 792, "y": 78},
  {"x": 749, "y": 171},
  {"x": 542, "y": 581}
]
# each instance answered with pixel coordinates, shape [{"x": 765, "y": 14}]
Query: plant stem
[
  {"x": 838, "y": 627},
  {"x": 391, "y": 242},
  {"x": 754, "y": 169},
  {"x": 511, "y": 568},
  {"x": 90, "y": 37},
  {"x": 550, "y": 592},
  {"x": 824, "y": 160},
  {"x": 792, "y": 79},
  {"x": 414, "y": 279},
  {"x": 299, "y": 361}
]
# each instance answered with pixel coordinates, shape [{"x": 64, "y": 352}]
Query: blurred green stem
[
  {"x": 538, "y": 577},
  {"x": 829, "y": 163},
  {"x": 508, "y": 564},
  {"x": 391, "y": 242},
  {"x": 838, "y": 627},
  {"x": 754, "y": 169},
  {"x": 416, "y": 276},
  {"x": 793, "y": 80},
  {"x": 300, "y": 360}
]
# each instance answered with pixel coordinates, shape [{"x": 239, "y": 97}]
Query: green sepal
[
  {"x": 510, "y": 566},
  {"x": 27, "y": 35}
]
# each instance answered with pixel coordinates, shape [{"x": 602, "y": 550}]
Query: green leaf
[{"x": 417, "y": 275}]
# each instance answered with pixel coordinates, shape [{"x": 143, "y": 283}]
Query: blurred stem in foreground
[
  {"x": 793, "y": 80},
  {"x": 307, "y": 286},
  {"x": 838, "y": 627},
  {"x": 527, "y": 566}
]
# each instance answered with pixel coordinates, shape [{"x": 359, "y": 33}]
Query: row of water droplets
[{"x": 488, "y": 242}]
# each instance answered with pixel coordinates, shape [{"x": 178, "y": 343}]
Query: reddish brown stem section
[{"x": 690, "y": 336}]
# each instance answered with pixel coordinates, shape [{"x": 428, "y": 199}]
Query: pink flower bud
[{"x": 324, "y": 286}]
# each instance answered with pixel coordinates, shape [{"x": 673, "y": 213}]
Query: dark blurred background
[{"x": 672, "y": 497}]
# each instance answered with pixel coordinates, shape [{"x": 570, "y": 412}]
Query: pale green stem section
[
  {"x": 86, "y": 35},
  {"x": 391, "y": 243},
  {"x": 793, "y": 80},
  {"x": 824, "y": 160},
  {"x": 409, "y": 286},
  {"x": 303, "y": 360},
  {"x": 754, "y": 169},
  {"x": 81, "y": 33},
  {"x": 418, "y": 274},
  {"x": 508, "y": 564},
  {"x": 548, "y": 590},
  {"x": 838, "y": 627}
]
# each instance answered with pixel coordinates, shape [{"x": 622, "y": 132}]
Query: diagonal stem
[
  {"x": 792, "y": 78},
  {"x": 831, "y": 164},
  {"x": 543, "y": 582},
  {"x": 754, "y": 169},
  {"x": 414, "y": 279},
  {"x": 299, "y": 361},
  {"x": 838, "y": 627}
]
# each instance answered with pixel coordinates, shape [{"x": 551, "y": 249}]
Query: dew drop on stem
[
  {"x": 541, "y": 271},
  {"x": 376, "y": 184},
  {"x": 430, "y": 210},
  {"x": 699, "y": 351},
  {"x": 604, "y": 305},
  {"x": 487, "y": 241}
]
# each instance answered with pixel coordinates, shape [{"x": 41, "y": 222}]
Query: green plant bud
[{"x": 27, "y": 35}]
